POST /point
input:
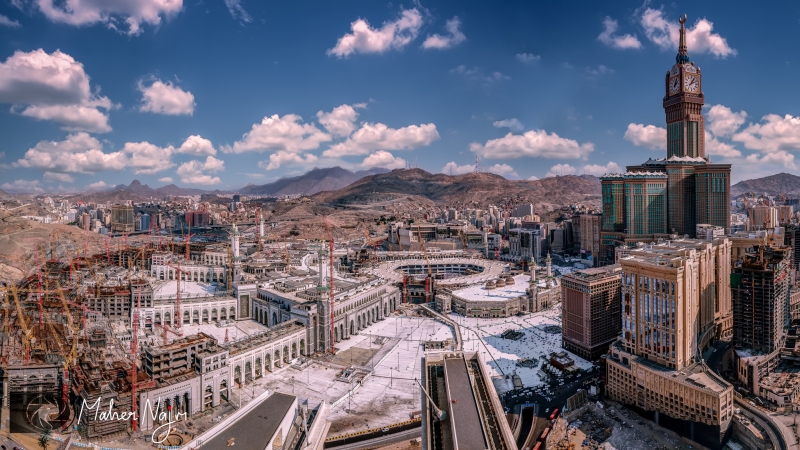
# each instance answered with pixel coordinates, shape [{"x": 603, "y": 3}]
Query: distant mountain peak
[{"x": 311, "y": 182}]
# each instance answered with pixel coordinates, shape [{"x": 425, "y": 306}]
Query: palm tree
[{"x": 44, "y": 438}]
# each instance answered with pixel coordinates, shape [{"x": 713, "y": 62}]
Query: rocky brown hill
[
  {"x": 781, "y": 183},
  {"x": 311, "y": 182},
  {"x": 471, "y": 188}
]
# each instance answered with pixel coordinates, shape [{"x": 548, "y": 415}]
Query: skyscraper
[{"x": 669, "y": 195}]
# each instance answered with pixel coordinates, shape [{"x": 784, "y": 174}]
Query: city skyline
[{"x": 95, "y": 97}]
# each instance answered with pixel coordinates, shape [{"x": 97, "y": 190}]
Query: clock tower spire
[{"x": 683, "y": 104}]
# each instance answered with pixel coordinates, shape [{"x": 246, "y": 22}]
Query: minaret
[
  {"x": 237, "y": 260},
  {"x": 549, "y": 267}
]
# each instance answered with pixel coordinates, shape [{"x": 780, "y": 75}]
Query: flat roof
[
  {"x": 478, "y": 292},
  {"x": 465, "y": 419},
  {"x": 254, "y": 429},
  {"x": 189, "y": 289}
]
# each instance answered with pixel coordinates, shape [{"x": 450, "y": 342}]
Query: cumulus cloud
[
  {"x": 283, "y": 157},
  {"x": 53, "y": 86},
  {"x": 165, "y": 98},
  {"x": 377, "y": 136},
  {"x": 147, "y": 158},
  {"x": 598, "y": 170},
  {"x": 532, "y": 144},
  {"x": 286, "y": 133},
  {"x": 55, "y": 177},
  {"x": 533, "y": 178},
  {"x": 22, "y": 186},
  {"x": 237, "y": 11},
  {"x": 392, "y": 35},
  {"x": 648, "y": 136},
  {"x": 478, "y": 75},
  {"x": 502, "y": 170},
  {"x": 724, "y": 122},
  {"x": 512, "y": 124},
  {"x": 383, "y": 159},
  {"x": 166, "y": 180},
  {"x": 341, "y": 121},
  {"x": 773, "y": 134},
  {"x": 699, "y": 39},
  {"x": 561, "y": 169},
  {"x": 611, "y": 39},
  {"x": 194, "y": 172},
  {"x": 100, "y": 185},
  {"x": 780, "y": 157},
  {"x": 528, "y": 58},
  {"x": 454, "y": 36},
  {"x": 198, "y": 146},
  {"x": 452, "y": 168},
  {"x": 5, "y": 21},
  {"x": 115, "y": 14},
  {"x": 716, "y": 147},
  {"x": 78, "y": 153},
  {"x": 588, "y": 169}
]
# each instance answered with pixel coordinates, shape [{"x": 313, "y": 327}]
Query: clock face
[
  {"x": 674, "y": 85},
  {"x": 691, "y": 83}
]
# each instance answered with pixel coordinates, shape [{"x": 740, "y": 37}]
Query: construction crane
[
  {"x": 134, "y": 349},
  {"x": 330, "y": 290},
  {"x": 165, "y": 328},
  {"x": 27, "y": 339},
  {"x": 429, "y": 279}
]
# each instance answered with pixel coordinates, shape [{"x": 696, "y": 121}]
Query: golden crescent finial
[{"x": 682, "y": 20}]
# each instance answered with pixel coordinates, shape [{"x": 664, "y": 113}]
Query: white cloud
[
  {"x": 716, "y": 147},
  {"x": 112, "y": 13},
  {"x": 198, "y": 146},
  {"x": 192, "y": 172},
  {"x": 97, "y": 186},
  {"x": 452, "y": 168},
  {"x": 699, "y": 39},
  {"x": 724, "y": 122},
  {"x": 165, "y": 98},
  {"x": 528, "y": 58},
  {"x": 377, "y": 136},
  {"x": 237, "y": 11},
  {"x": 78, "y": 153},
  {"x": 532, "y": 144},
  {"x": 512, "y": 124},
  {"x": 648, "y": 136},
  {"x": 53, "y": 87},
  {"x": 283, "y": 157},
  {"x": 561, "y": 169},
  {"x": 341, "y": 121},
  {"x": 5, "y": 21},
  {"x": 286, "y": 133},
  {"x": 533, "y": 178},
  {"x": 598, "y": 170},
  {"x": 477, "y": 75},
  {"x": 22, "y": 186},
  {"x": 57, "y": 177},
  {"x": 383, "y": 159},
  {"x": 392, "y": 35},
  {"x": 166, "y": 180},
  {"x": 453, "y": 38},
  {"x": 147, "y": 158},
  {"x": 780, "y": 157},
  {"x": 502, "y": 170},
  {"x": 773, "y": 134},
  {"x": 623, "y": 42},
  {"x": 597, "y": 71}
]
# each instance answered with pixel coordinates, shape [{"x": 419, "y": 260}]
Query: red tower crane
[
  {"x": 134, "y": 348},
  {"x": 330, "y": 290}
]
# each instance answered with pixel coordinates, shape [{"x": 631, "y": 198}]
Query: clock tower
[{"x": 683, "y": 105}]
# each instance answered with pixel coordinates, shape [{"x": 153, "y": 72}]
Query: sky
[{"x": 216, "y": 94}]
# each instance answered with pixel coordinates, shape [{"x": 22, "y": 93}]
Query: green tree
[{"x": 44, "y": 438}]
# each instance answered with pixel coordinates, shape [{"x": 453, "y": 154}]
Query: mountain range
[
  {"x": 311, "y": 182},
  {"x": 781, "y": 183}
]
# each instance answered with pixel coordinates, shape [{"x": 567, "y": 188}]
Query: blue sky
[{"x": 221, "y": 93}]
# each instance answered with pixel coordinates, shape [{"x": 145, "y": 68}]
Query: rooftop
[
  {"x": 256, "y": 428},
  {"x": 478, "y": 292}
]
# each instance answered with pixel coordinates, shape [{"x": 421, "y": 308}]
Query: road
[
  {"x": 758, "y": 417},
  {"x": 8, "y": 443},
  {"x": 406, "y": 435}
]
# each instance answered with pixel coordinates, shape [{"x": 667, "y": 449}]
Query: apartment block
[{"x": 591, "y": 310}]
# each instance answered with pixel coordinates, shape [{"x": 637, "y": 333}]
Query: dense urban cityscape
[{"x": 652, "y": 306}]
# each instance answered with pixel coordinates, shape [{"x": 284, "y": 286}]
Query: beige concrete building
[{"x": 673, "y": 297}]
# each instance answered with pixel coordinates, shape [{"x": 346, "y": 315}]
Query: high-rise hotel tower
[{"x": 669, "y": 195}]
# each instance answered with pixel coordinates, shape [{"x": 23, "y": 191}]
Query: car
[{"x": 385, "y": 430}]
